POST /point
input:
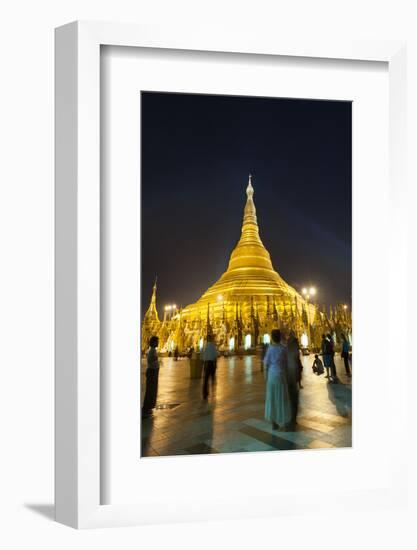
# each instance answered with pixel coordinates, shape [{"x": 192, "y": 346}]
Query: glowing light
[
  {"x": 308, "y": 296},
  {"x": 304, "y": 291},
  {"x": 220, "y": 297},
  {"x": 267, "y": 339},
  {"x": 313, "y": 291},
  {"x": 345, "y": 306},
  {"x": 231, "y": 343},
  {"x": 200, "y": 344},
  {"x": 248, "y": 341},
  {"x": 304, "y": 340},
  {"x": 174, "y": 306}
]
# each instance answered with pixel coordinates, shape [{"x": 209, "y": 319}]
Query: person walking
[
  {"x": 332, "y": 354},
  {"x": 327, "y": 358},
  {"x": 345, "y": 354},
  {"x": 277, "y": 400},
  {"x": 294, "y": 373},
  {"x": 210, "y": 363},
  {"x": 152, "y": 375}
]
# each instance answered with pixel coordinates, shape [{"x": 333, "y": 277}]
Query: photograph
[
  {"x": 208, "y": 217},
  {"x": 246, "y": 274}
]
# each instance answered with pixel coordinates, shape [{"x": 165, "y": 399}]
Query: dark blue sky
[{"x": 197, "y": 152}]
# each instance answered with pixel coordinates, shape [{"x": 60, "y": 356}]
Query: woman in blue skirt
[{"x": 277, "y": 403}]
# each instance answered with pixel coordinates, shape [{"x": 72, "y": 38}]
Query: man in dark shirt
[{"x": 331, "y": 352}]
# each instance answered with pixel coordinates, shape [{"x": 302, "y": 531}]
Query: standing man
[
  {"x": 152, "y": 375},
  {"x": 327, "y": 358},
  {"x": 345, "y": 354},
  {"x": 210, "y": 363},
  {"x": 331, "y": 351},
  {"x": 293, "y": 373}
]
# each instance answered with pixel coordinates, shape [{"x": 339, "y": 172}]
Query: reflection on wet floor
[{"x": 232, "y": 419}]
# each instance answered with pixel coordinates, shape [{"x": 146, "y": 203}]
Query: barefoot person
[
  {"x": 210, "y": 363},
  {"x": 277, "y": 402},
  {"x": 152, "y": 374}
]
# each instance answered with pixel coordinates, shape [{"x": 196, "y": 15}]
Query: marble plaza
[{"x": 232, "y": 419}]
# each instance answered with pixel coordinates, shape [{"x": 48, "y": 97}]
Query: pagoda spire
[
  {"x": 153, "y": 298},
  {"x": 152, "y": 312},
  {"x": 249, "y": 271},
  {"x": 250, "y": 222},
  {"x": 250, "y": 251}
]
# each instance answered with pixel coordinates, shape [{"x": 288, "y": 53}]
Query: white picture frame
[{"x": 78, "y": 240}]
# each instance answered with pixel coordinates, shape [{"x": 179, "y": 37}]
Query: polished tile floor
[{"x": 232, "y": 419}]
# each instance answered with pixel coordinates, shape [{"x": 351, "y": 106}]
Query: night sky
[{"x": 197, "y": 152}]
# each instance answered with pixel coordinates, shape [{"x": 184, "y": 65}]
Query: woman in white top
[{"x": 277, "y": 401}]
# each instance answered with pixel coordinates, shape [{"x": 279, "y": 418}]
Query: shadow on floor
[
  {"x": 45, "y": 510},
  {"x": 341, "y": 395}
]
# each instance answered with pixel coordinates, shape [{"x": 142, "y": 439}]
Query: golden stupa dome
[{"x": 250, "y": 272}]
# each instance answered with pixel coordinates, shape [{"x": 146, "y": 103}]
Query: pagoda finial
[
  {"x": 249, "y": 215},
  {"x": 249, "y": 188}
]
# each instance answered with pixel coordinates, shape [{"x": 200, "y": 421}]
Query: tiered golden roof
[{"x": 250, "y": 271}]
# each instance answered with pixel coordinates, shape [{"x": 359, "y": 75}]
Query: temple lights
[{"x": 248, "y": 301}]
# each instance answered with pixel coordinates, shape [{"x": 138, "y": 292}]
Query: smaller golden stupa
[{"x": 244, "y": 305}]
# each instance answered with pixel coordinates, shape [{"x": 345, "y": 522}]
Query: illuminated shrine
[{"x": 244, "y": 305}]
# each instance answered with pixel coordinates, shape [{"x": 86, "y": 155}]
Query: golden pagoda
[
  {"x": 243, "y": 306},
  {"x": 151, "y": 324}
]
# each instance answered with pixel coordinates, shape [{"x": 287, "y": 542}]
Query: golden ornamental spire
[
  {"x": 152, "y": 312},
  {"x": 250, "y": 251},
  {"x": 249, "y": 188},
  {"x": 250, "y": 271},
  {"x": 153, "y": 298},
  {"x": 249, "y": 215}
]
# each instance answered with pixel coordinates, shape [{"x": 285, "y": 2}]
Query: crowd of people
[{"x": 281, "y": 364}]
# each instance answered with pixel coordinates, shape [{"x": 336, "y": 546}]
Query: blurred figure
[
  {"x": 294, "y": 373},
  {"x": 327, "y": 358},
  {"x": 176, "y": 353},
  {"x": 332, "y": 363},
  {"x": 263, "y": 353},
  {"x": 345, "y": 354},
  {"x": 210, "y": 363},
  {"x": 300, "y": 373},
  {"x": 318, "y": 365},
  {"x": 277, "y": 402},
  {"x": 152, "y": 375}
]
